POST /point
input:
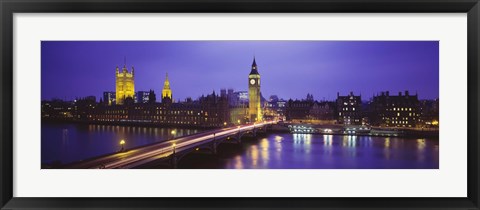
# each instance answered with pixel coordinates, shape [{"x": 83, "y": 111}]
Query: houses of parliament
[{"x": 125, "y": 106}]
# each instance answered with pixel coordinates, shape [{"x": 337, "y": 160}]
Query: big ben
[{"x": 254, "y": 104}]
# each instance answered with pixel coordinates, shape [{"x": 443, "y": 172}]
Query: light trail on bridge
[{"x": 138, "y": 156}]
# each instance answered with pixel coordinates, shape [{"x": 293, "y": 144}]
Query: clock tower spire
[
  {"x": 254, "y": 103},
  {"x": 254, "y": 67}
]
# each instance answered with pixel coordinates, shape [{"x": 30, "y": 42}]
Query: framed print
[{"x": 239, "y": 105}]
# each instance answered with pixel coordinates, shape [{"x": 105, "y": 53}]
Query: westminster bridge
[{"x": 172, "y": 151}]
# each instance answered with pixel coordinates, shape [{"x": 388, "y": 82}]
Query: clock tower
[{"x": 254, "y": 104}]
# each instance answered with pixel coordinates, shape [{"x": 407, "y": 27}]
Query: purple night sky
[{"x": 289, "y": 69}]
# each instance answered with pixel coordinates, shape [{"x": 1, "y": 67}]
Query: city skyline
[{"x": 289, "y": 69}]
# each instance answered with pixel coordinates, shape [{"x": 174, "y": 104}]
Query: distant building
[
  {"x": 83, "y": 107},
  {"x": 429, "y": 113},
  {"x": 238, "y": 106},
  {"x": 276, "y": 108},
  {"x": 223, "y": 93},
  {"x": 142, "y": 97},
  {"x": 92, "y": 99},
  {"x": 109, "y": 98},
  {"x": 273, "y": 98},
  {"x": 309, "y": 97},
  {"x": 366, "y": 112},
  {"x": 323, "y": 111},
  {"x": 242, "y": 96},
  {"x": 167, "y": 92},
  {"x": 230, "y": 96},
  {"x": 57, "y": 109},
  {"x": 310, "y": 111},
  {"x": 152, "y": 97},
  {"x": 349, "y": 109},
  {"x": 395, "y": 111},
  {"x": 125, "y": 85},
  {"x": 297, "y": 110}
]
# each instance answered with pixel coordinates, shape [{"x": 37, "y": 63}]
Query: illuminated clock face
[{"x": 252, "y": 81}]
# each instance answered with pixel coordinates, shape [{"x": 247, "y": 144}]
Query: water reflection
[
  {"x": 352, "y": 141},
  {"x": 72, "y": 142},
  {"x": 264, "y": 145},
  {"x": 302, "y": 142},
  {"x": 238, "y": 162},
  {"x": 349, "y": 142},
  {"x": 290, "y": 151},
  {"x": 65, "y": 136},
  {"x": 254, "y": 156},
  {"x": 67, "y": 143},
  {"x": 421, "y": 144},
  {"x": 328, "y": 145},
  {"x": 278, "y": 147},
  {"x": 327, "y": 142}
]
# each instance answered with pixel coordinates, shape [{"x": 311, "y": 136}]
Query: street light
[
  {"x": 224, "y": 123},
  {"x": 174, "y": 145},
  {"x": 173, "y": 133},
  {"x": 122, "y": 142},
  {"x": 238, "y": 122}
]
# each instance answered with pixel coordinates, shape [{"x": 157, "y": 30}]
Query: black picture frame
[{"x": 9, "y": 7}]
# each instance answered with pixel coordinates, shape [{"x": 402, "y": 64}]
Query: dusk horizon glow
[{"x": 289, "y": 69}]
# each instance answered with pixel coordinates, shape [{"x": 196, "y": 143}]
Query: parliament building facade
[{"x": 125, "y": 106}]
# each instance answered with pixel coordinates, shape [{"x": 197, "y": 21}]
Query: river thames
[{"x": 67, "y": 143}]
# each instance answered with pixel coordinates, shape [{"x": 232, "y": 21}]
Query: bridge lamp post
[
  {"x": 224, "y": 123},
  {"x": 122, "y": 142},
  {"x": 238, "y": 122},
  {"x": 173, "y": 134}
]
